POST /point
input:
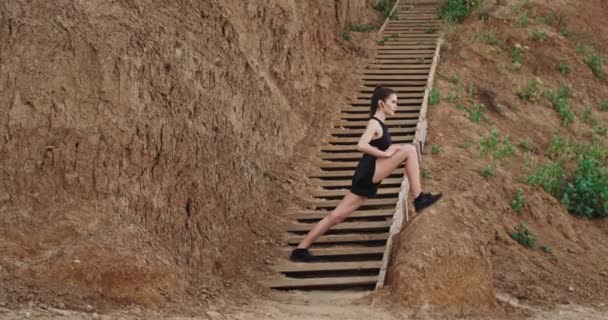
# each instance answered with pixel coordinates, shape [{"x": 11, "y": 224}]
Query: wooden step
[
  {"x": 340, "y": 251},
  {"x": 388, "y": 62},
  {"x": 355, "y": 140},
  {"x": 345, "y": 165},
  {"x": 350, "y": 147},
  {"x": 343, "y": 192},
  {"x": 405, "y": 53},
  {"x": 362, "y": 107},
  {"x": 396, "y": 83},
  {"x": 369, "y": 202},
  {"x": 346, "y": 183},
  {"x": 341, "y": 238},
  {"x": 288, "y": 283},
  {"x": 340, "y": 155},
  {"x": 388, "y": 122},
  {"x": 402, "y": 100},
  {"x": 344, "y": 173},
  {"x": 294, "y": 267},
  {"x": 344, "y": 226},
  {"x": 342, "y": 132},
  {"x": 396, "y": 78},
  {"x": 406, "y": 47},
  {"x": 309, "y": 215},
  {"x": 424, "y": 71},
  {"x": 393, "y": 66},
  {"x": 365, "y": 116}
]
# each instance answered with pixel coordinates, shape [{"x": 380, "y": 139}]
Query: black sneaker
[
  {"x": 424, "y": 200},
  {"x": 303, "y": 255}
]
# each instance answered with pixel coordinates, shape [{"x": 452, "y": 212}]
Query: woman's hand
[{"x": 390, "y": 151}]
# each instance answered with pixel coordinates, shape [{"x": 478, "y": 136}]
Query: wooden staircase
[{"x": 356, "y": 252}]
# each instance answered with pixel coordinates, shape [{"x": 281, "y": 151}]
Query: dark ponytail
[{"x": 380, "y": 93}]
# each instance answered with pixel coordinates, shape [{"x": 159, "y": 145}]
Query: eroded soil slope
[
  {"x": 458, "y": 256},
  {"x": 147, "y": 148}
]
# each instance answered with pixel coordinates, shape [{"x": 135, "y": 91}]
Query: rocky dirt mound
[{"x": 459, "y": 255}]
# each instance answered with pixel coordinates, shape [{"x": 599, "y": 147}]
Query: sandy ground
[{"x": 299, "y": 305}]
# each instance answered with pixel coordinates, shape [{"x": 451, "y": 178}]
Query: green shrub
[
  {"x": 347, "y": 36},
  {"x": 604, "y": 105},
  {"x": 586, "y": 194},
  {"x": 458, "y": 10},
  {"x": 518, "y": 203},
  {"x": 523, "y": 236},
  {"x": 531, "y": 91},
  {"x": 545, "y": 248}
]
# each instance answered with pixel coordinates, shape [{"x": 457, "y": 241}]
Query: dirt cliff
[{"x": 148, "y": 148}]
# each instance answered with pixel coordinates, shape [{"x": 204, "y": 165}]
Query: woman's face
[{"x": 389, "y": 106}]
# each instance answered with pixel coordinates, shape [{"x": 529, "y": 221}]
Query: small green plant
[
  {"x": 523, "y": 236},
  {"x": 561, "y": 104},
  {"x": 435, "y": 149},
  {"x": 531, "y": 91},
  {"x": 595, "y": 62},
  {"x": 550, "y": 175},
  {"x": 426, "y": 173},
  {"x": 604, "y": 105},
  {"x": 430, "y": 31},
  {"x": 527, "y": 145},
  {"x": 385, "y": 7},
  {"x": 495, "y": 146},
  {"x": 488, "y": 171},
  {"x": 587, "y": 116},
  {"x": 384, "y": 39},
  {"x": 517, "y": 57},
  {"x": 457, "y": 10},
  {"x": 559, "y": 148},
  {"x": 347, "y": 36},
  {"x": 518, "y": 203},
  {"x": 564, "y": 67},
  {"x": 490, "y": 36},
  {"x": 522, "y": 21},
  {"x": 434, "y": 97},
  {"x": 545, "y": 248},
  {"x": 362, "y": 27},
  {"x": 538, "y": 35},
  {"x": 475, "y": 112},
  {"x": 550, "y": 18}
]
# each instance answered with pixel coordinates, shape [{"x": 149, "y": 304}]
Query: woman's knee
[{"x": 336, "y": 218}]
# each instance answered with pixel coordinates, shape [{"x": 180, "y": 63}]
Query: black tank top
[{"x": 384, "y": 141}]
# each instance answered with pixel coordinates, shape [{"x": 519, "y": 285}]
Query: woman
[{"x": 379, "y": 160}]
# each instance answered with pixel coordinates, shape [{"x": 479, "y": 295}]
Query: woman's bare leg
[
  {"x": 407, "y": 153},
  {"x": 349, "y": 203}
]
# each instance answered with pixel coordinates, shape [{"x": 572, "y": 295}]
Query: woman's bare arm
[{"x": 373, "y": 128}]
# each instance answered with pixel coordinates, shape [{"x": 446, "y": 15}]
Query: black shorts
[{"x": 362, "y": 184}]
